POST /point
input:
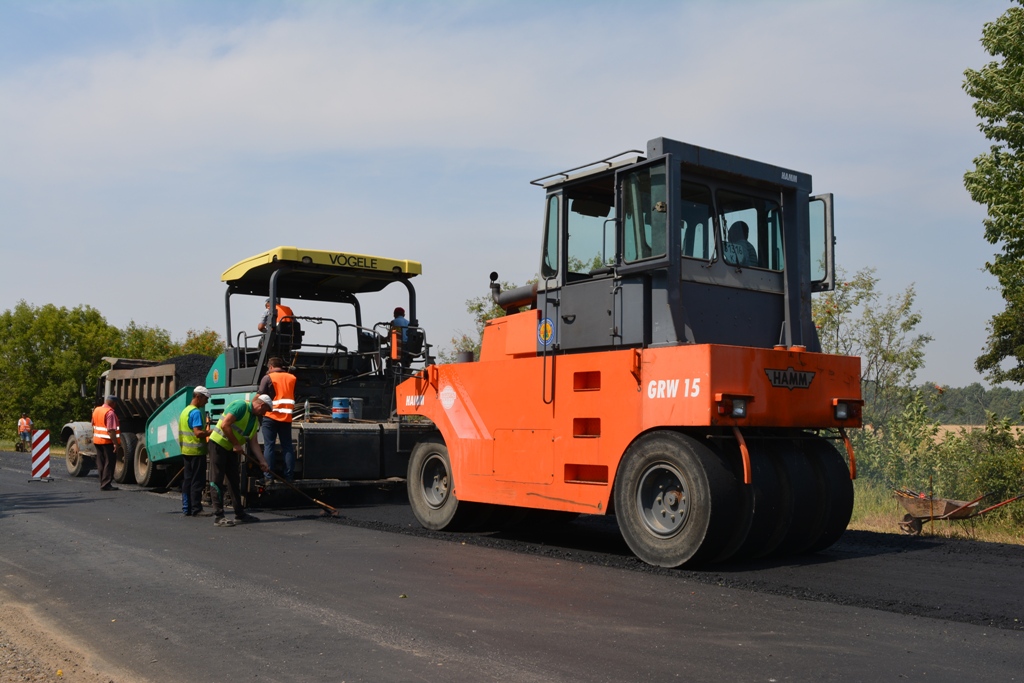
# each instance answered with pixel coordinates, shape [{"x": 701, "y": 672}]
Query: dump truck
[
  {"x": 664, "y": 368},
  {"x": 345, "y": 427},
  {"x": 141, "y": 387}
]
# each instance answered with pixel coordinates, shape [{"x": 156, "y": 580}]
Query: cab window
[
  {"x": 750, "y": 231},
  {"x": 644, "y": 213},
  {"x": 550, "y": 266},
  {"x": 590, "y": 225},
  {"x": 697, "y": 222}
]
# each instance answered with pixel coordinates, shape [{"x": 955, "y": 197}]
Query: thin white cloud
[{"x": 165, "y": 143}]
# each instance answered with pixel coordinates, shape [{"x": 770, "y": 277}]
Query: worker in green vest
[
  {"x": 192, "y": 436},
  {"x": 236, "y": 427}
]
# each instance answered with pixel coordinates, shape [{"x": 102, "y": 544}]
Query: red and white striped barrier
[{"x": 41, "y": 455}]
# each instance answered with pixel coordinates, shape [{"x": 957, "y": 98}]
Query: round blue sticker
[{"x": 545, "y": 331}]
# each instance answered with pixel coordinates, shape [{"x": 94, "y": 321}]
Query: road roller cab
[{"x": 665, "y": 367}]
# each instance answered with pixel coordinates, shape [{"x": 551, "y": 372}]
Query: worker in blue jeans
[{"x": 279, "y": 384}]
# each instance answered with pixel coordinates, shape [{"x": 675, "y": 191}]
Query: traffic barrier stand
[{"x": 41, "y": 455}]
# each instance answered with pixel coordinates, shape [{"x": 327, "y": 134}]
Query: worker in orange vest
[
  {"x": 282, "y": 313},
  {"x": 106, "y": 435},
  {"x": 25, "y": 430},
  {"x": 279, "y": 384}
]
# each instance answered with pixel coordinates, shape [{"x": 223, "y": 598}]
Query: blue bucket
[{"x": 341, "y": 409}]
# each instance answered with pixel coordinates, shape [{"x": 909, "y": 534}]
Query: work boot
[{"x": 245, "y": 518}]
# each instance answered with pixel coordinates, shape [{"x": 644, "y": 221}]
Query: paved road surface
[{"x": 370, "y": 598}]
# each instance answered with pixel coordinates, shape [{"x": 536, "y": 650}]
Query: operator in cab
[
  {"x": 739, "y": 251},
  {"x": 400, "y": 321},
  {"x": 283, "y": 312}
]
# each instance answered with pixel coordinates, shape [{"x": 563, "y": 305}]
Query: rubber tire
[
  {"x": 146, "y": 473},
  {"x": 78, "y": 465},
  {"x": 804, "y": 498},
  {"x": 709, "y": 490},
  {"x": 838, "y": 492},
  {"x": 431, "y": 489},
  {"x": 760, "y": 525},
  {"x": 124, "y": 465}
]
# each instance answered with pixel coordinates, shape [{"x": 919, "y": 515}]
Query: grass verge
[{"x": 875, "y": 508}]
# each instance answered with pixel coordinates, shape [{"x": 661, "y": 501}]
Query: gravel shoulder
[{"x": 33, "y": 649}]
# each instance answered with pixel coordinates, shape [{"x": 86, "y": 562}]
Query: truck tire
[
  {"x": 146, "y": 473},
  {"x": 124, "y": 466},
  {"x": 431, "y": 489},
  {"x": 676, "y": 501},
  {"x": 78, "y": 465}
]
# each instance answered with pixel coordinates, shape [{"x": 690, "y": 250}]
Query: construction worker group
[{"x": 223, "y": 443}]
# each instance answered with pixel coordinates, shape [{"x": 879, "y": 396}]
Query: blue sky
[{"x": 147, "y": 146}]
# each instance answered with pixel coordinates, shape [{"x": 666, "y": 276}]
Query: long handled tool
[
  {"x": 165, "y": 489},
  {"x": 328, "y": 510}
]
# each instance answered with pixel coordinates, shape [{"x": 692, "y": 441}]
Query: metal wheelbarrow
[{"x": 922, "y": 508}]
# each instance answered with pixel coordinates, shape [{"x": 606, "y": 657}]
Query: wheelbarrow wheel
[{"x": 910, "y": 525}]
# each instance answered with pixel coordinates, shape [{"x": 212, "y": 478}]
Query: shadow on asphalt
[{"x": 41, "y": 501}]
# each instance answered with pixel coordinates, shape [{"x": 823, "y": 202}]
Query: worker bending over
[{"x": 236, "y": 426}]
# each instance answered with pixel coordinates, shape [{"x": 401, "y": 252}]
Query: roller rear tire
[
  {"x": 838, "y": 492},
  {"x": 676, "y": 501},
  {"x": 804, "y": 504}
]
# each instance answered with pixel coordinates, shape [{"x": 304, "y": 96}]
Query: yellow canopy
[{"x": 315, "y": 273}]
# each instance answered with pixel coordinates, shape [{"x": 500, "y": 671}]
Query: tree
[
  {"x": 153, "y": 343},
  {"x": 206, "y": 343},
  {"x": 50, "y": 357},
  {"x": 855, "y": 320},
  {"x": 997, "y": 181},
  {"x": 47, "y": 355},
  {"x": 482, "y": 308}
]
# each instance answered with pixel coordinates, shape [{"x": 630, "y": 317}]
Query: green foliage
[
  {"x": 856, "y": 320},
  {"x": 911, "y": 454},
  {"x": 205, "y": 342},
  {"x": 47, "y": 355},
  {"x": 50, "y": 356},
  {"x": 997, "y": 181},
  {"x": 972, "y": 405},
  {"x": 482, "y": 309},
  {"x": 153, "y": 343}
]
